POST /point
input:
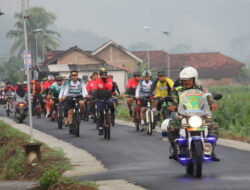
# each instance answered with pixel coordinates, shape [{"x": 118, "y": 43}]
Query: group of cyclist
[{"x": 105, "y": 91}]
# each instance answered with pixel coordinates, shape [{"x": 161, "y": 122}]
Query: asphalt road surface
[{"x": 143, "y": 159}]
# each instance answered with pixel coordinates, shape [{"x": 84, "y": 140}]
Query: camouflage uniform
[{"x": 173, "y": 128}]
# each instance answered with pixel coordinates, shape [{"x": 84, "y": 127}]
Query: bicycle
[
  {"x": 59, "y": 114},
  {"x": 76, "y": 116},
  {"x": 107, "y": 119},
  {"x": 137, "y": 113}
]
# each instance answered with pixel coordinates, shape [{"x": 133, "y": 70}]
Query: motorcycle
[
  {"x": 195, "y": 145},
  {"x": 21, "y": 111}
]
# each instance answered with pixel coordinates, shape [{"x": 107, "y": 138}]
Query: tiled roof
[{"x": 209, "y": 65}]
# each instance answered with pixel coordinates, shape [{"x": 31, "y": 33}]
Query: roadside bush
[
  {"x": 234, "y": 109},
  {"x": 49, "y": 177}
]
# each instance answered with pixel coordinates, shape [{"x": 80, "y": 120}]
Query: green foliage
[
  {"x": 39, "y": 18},
  {"x": 234, "y": 109},
  {"x": 11, "y": 70},
  {"x": 50, "y": 177}
]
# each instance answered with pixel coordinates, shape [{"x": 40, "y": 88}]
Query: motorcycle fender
[{"x": 195, "y": 138}]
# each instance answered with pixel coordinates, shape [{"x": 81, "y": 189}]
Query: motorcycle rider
[
  {"x": 161, "y": 88},
  {"x": 131, "y": 88},
  {"x": 189, "y": 78},
  {"x": 143, "y": 90},
  {"x": 74, "y": 87}
]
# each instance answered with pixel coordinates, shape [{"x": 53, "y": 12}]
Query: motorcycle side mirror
[
  {"x": 217, "y": 96},
  {"x": 169, "y": 99}
]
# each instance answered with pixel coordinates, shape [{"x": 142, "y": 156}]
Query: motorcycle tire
[{"x": 197, "y": 153}]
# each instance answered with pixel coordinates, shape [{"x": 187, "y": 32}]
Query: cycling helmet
[
  {"x": 102, "y": 71},
  {"x": 146, "y": 73},
  {"x": 85, "y": 77},
  {"x": 33, "y": 82},
  {"x": 161, "y": 73},
  {"x": 136, "y": 74},
  {"x": 44, "y": 79},
  {"x": 59, "y": 78},
  {"x": 51, "y": 77},
  {"x": 189, "y": 73},
  {"x": 24, "y": 82}
]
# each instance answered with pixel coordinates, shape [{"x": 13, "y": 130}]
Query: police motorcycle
[{"x": 194, "y": 146}]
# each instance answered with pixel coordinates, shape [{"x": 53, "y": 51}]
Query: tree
[
  {"x": 47, "y": 39},
  {"x": 11, "y": 70}
]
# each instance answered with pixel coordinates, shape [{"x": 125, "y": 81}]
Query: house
[
  {"x": 117, "y": 55},
  {"x": 63, "y": 62},
  {"x": 214, "y": 68}
]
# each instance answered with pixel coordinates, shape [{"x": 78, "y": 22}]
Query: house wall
[
  {"x": 117, "y": 57},
  {"x": 77, "y": 57}
]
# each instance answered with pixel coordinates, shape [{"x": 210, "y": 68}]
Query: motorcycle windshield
[{"x": 193, "y": 102}]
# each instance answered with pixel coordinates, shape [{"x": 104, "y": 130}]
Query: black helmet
[
  {"x": 137, "y": 73},
  {"x": 102, "y": 71},
  {"x": 85, "y": 77},
  {"x": 161, "y": 73}
]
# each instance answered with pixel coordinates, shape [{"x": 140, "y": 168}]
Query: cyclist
[
  {"x": 131, "y": 88},
  {"x": 74, "y": 87},
  {"x": 161, "y": 88},
  {"x": 85, "y": 79},
  {"x": 143, "y": 91},
  {"x": 54, "y": 92},
  {"x": 37, "y": 93},
  {"x": 7, "y": 91},
  {"x": 64, "y": 103},
  {"x": 47, "y": 86},
  {"x": 103, "y": 90},
  {"x": 115, "y": 89}
]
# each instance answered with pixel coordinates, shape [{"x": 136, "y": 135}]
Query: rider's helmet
[
  {"x": 59, "y": 78},
  {"x": 85, "y": 77},
  {"x": 136, "y": 74},
  {"x": 161, "y": 73},
  {"x": 33, "y": 82},
  {"x": 189, "y": 73},
  {"x": 51, "y": 77},
  {"x": 44, "y": 79},
  {"x": 103, "y": 71},
  {"x": 146, "y": 73},
  {"x": 24, "y": 82}
]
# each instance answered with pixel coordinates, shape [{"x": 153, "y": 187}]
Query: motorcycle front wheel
[{"x": 197, "y": 153}]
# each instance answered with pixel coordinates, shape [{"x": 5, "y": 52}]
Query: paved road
[{"x": 143, "y": 159}]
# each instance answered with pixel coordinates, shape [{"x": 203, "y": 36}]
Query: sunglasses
[{"x": 74, "y": 75}]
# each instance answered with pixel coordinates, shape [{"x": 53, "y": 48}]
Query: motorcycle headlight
[{"x": 195, "y": 121}]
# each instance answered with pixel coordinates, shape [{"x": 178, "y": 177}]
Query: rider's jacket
[
  {"x": 7, "y": 90},
  {"x": 131, "y": 86},
  {"x": 103, "y": 88},
  {"x": 115, "y": 89},
  {"x": 90, "y": 86},
  {"x": 175, "y": 95},
  {"x": 72, "y": 89},
  {"x": 37, "y": 89},
  {"x": 143, "y": 88},
  {"x": 47, "y": 85},
  {"x": 55, "y": 90},
  {"x": 162, "y": 89}
]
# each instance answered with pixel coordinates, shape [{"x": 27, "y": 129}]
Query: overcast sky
[{"x": 203, "y": 24}]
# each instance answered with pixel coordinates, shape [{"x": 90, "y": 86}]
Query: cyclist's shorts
[{"x": 100, "y": 104}]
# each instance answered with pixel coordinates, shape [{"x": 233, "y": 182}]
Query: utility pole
[
  {"x": 27, "y": 69},
  {"x": 147, "y": 28},
  {"x": 169, "y": 64}
]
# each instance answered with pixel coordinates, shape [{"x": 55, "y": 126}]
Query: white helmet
[
  {"x": 146, "y": 73},
  {"x": 189, "y": 73},
  {"x": 51, "y": 77}
]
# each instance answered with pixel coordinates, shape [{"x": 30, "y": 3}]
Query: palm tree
[{"x": 47, "y": 39}]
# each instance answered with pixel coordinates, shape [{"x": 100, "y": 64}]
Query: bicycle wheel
[
  {"x": 76, "y": 124},
  {"x": 38, "y": 111},
  {"x": 137, "y": 119},
  {"x": 109, "y": 120},
  {"x": 8, "y": 109}
]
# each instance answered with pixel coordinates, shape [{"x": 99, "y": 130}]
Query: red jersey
[
  {"x": 47, "y": 84},
  {"x": 8, "y": 89},
  {"x": 100, "y": 85},
  {"x": 132, "y": 83},
  {"x": 38, "y": 89},
  {"x": 90, "y": 86}
]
